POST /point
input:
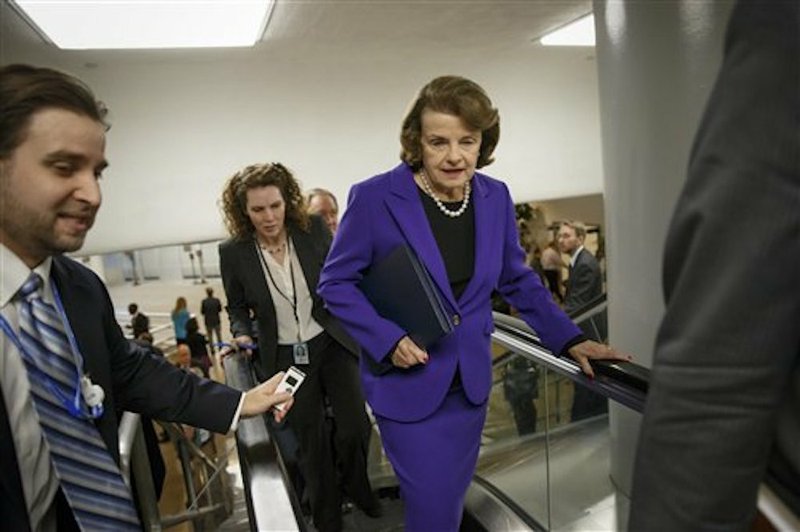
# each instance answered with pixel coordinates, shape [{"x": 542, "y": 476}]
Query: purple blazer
[{"x": 386, "y": 211}]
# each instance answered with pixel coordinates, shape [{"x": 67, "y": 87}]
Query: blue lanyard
[
  {"x": 236, "y": 346},
  {"x": 74, "y": 405}
]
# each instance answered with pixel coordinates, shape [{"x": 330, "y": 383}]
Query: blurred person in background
[
  {"x": 140, "y": 323},
  {"x": 323, "y": 203},
  {"x": 551, "y": 267},
  {"x": 198, "y": 346},
  {"x": 210, "y": 309},
  {"x": 180, "y": 315}
]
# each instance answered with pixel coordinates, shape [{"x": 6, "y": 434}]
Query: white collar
[
  {"x": 574, "y": 256},
  {"x": 15, "y": 273}
]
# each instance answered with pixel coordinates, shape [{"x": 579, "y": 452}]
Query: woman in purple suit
[{"x": 431, "y": 404}]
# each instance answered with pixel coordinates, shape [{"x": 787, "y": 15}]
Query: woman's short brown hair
[
  {"x": 456, "y": 96},
  {"x": 234, "y": 197}
]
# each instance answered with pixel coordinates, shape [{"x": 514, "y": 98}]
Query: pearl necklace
[{"x": 429, "y": 190}]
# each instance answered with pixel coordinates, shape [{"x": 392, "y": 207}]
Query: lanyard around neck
[
  {"x": 293, "y": 301},
  {"x": 74, "y": 405}
]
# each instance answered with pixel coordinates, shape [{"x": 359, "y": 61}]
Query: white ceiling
[
  {"x": 324, "y": 92},
  {"x": 384, "y": 26}
]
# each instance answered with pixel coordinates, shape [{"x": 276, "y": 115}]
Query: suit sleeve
[
  {"x": 726, "y": 355},
  {"x": 322, "y": 232},
  {"x": 523, "y": 289},
  {"x": 238, "y": 310},
  {"x": 581, "y": 284},
  {"x": 152, "y": 386},
  {"x": 350, "y": 255}
]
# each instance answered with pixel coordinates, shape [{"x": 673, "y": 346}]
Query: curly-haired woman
[{"x": 270, "y": 268}]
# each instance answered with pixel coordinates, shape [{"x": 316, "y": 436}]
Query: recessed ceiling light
[
  {"x": 577, "y": 33},
  {"x": 122, "y": 24}
]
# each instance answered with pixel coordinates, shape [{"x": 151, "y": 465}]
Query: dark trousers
[
  {"x": 212, "y": 329},
  {"x": 525, "y": 414},
  {"x": 332, "y": 372}
]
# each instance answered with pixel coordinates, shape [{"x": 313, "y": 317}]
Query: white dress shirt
[
  {"x": 574, "y": 257},
  {"x": 39, "y": 482},
  {"x": 281, "y": 274}
]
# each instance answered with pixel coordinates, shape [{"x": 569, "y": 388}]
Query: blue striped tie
[{"x": 88, "y": 475}]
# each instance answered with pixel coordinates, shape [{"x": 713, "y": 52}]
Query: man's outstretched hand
[{"x": 263, "y": 397}]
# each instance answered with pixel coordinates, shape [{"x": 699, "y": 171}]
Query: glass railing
[
  {"x": 546, "y": 444},
  {"x": 545, "y": 454}
]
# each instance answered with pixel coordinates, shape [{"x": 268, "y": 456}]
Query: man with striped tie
[{"x": 65, "y": 367}]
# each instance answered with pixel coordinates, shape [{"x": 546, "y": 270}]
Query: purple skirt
[{"x": 434, "y": 460}]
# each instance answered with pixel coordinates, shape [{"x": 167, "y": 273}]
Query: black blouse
[{"x": 455, "y": 238}]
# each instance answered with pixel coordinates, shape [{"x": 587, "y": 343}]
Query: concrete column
[{"x": 657, "y": 61}]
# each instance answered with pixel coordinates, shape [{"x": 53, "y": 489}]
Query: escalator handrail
[
  {"x": 271, "y": 502},
  {"x": 623, "y": 382},
  {"x": 590, "y": 308},
  {"x": 587, "y": 313}
]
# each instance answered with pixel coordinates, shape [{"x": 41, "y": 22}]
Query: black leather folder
[{"x": 401, "y": 290}]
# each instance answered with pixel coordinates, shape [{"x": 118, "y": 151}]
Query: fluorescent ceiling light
[
  {"x": 577, "y": 33},
  {"x": 120, "y": 24}
]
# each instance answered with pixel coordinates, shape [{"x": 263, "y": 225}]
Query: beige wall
[{"x": 587, "y": 209}]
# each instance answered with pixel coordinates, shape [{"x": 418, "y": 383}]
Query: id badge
[{"x": 300, "y": 353}]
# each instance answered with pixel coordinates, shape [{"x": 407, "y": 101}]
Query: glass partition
[{"x": 546, "y": 444}]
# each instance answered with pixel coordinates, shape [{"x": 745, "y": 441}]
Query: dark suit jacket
[
  {"x": 247, "y": 291},
  {"x": 585, "y": 283},
  {"x": 140, "y": 324},
  {"x": 725, "y": 385},
  {"x": 132, "y": 378}
]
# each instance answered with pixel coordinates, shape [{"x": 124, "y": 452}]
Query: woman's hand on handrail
[{"x": 591, "y": 350}]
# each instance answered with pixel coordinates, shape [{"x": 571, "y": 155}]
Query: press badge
[{"x": 300, "y": 353}]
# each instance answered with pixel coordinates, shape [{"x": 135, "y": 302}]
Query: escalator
[
  {"x": 539, "y": 468},
  {"x": 528, "y": 460},
  {"x": 553, "y": 467}
]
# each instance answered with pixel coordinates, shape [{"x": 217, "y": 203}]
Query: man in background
[
  {"x": 210, "y": 309},
  {"x": 723, "y": 408},
  {"x": 140, "y": 323},
  {"x": 585, "y": 282},
  {"x": 323, "y": 203},
  {"x": 65, "y": 366}
]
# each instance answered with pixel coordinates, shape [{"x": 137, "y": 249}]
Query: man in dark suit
[
  {"x": 584, "y": 284},
  {"x": 724, "y": 401},
  {"x": 52, "y": 153},
  {"x": 585, "y": 281},
  {"x": 210, "y": 308},
  {"x": 140, "y": 323}
]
